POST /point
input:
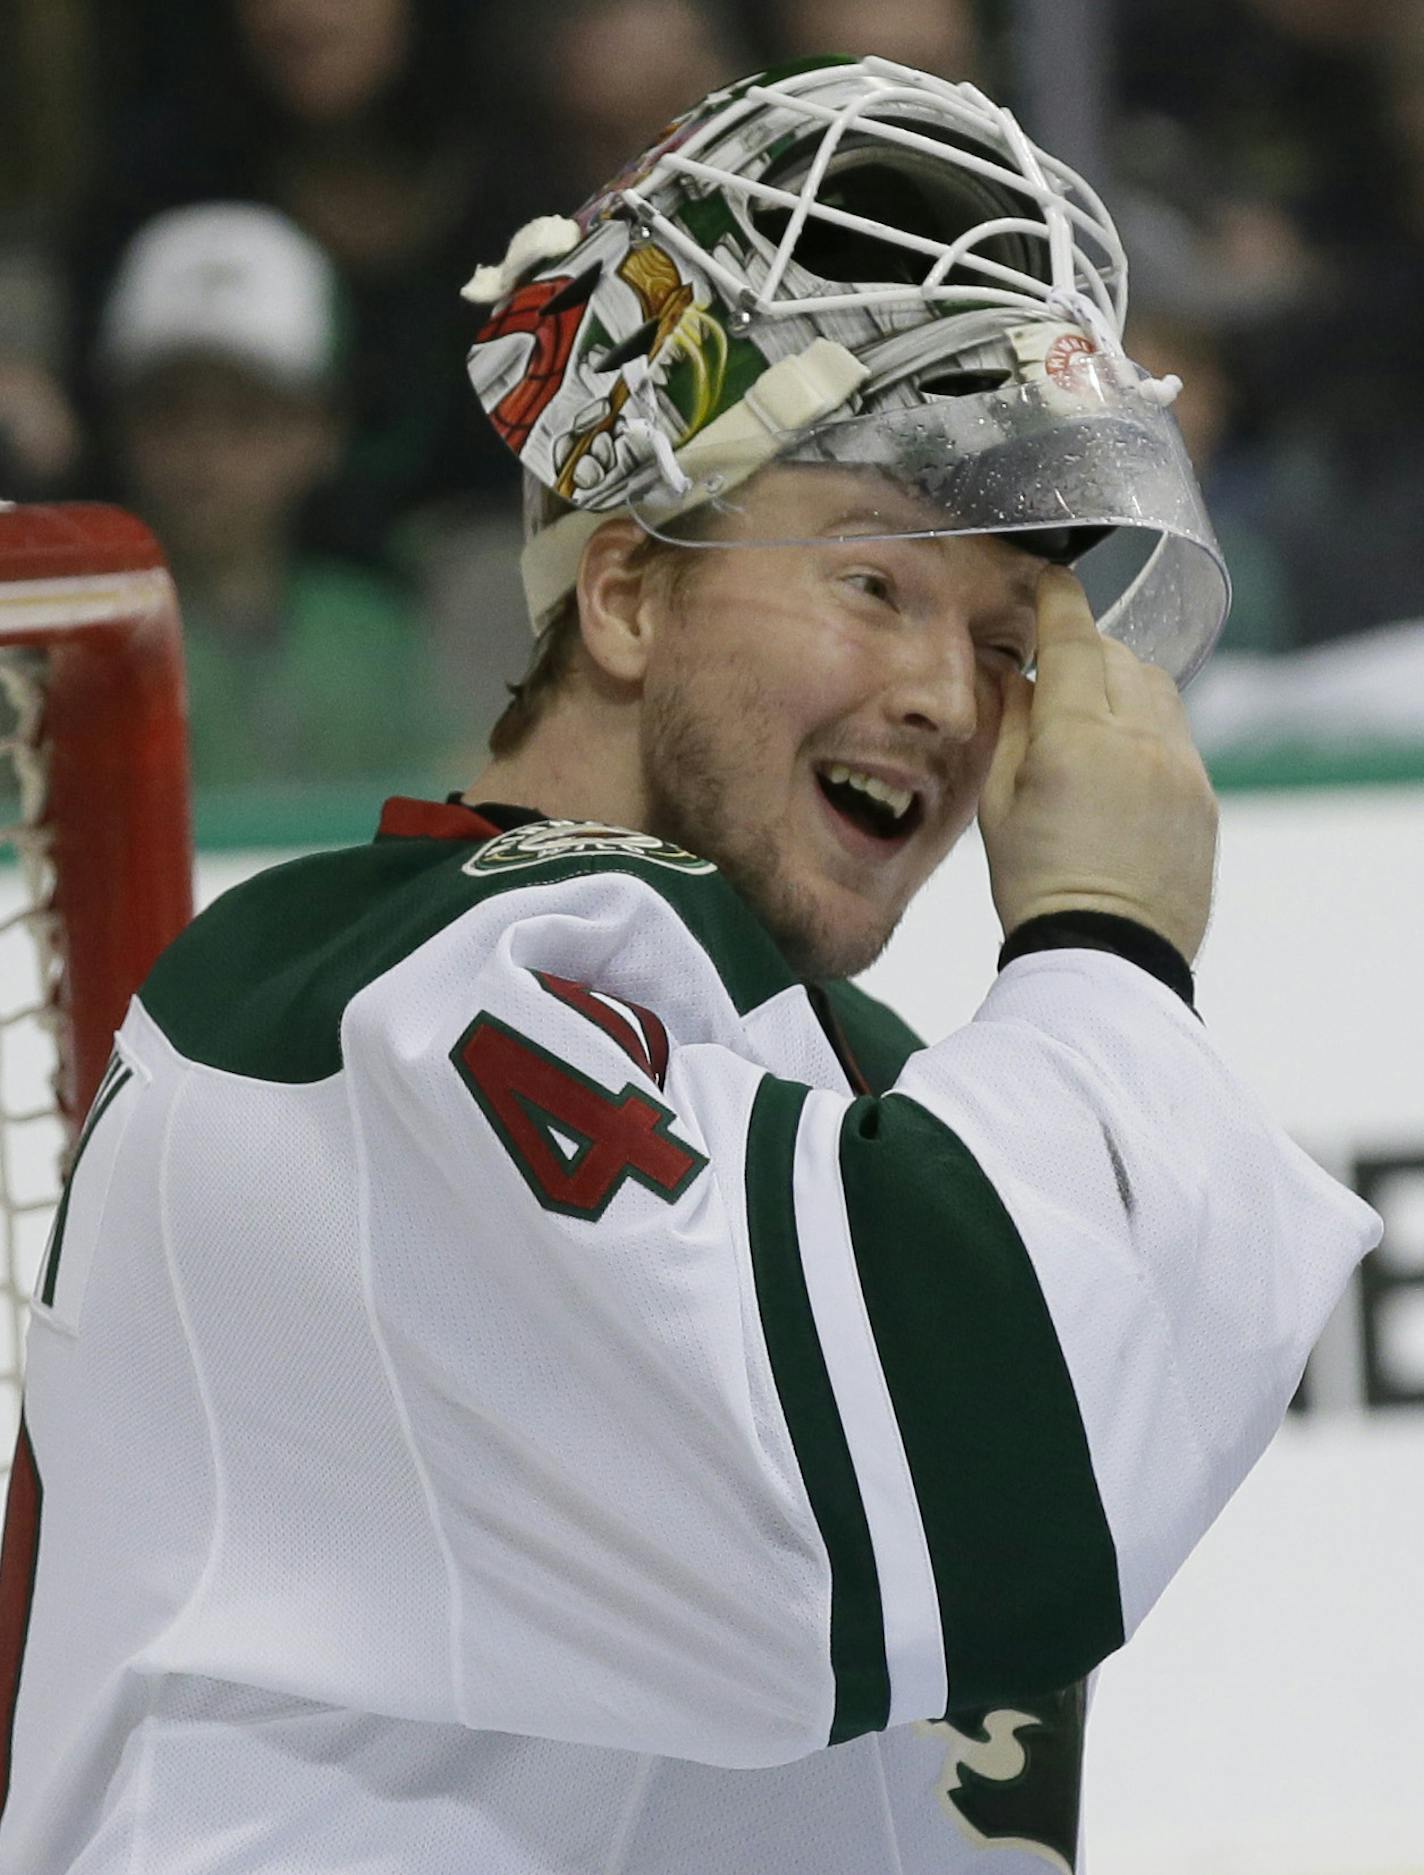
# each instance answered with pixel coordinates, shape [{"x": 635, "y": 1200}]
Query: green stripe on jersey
[
  {"x": 116, "y": 1078},
  {"x": 258, "y": 984},
  {"x": 1024, "y": 1562},
  {"x": 809, "y": 1402}
]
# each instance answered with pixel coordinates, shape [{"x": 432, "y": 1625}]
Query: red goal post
[{"x": 94, "y": 809}]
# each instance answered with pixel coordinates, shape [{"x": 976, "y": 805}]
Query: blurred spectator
[
  {"x": 369, "y": 123},
  {"x": 1347, "y": 372},
  {"x": 936, "y": 35},
  {"x": 1280, "y": 101},
  {"x": 43, "y": 97},
  {"x": 334, "y": 79},
  {"x": 1231, "y": 475},
  {"x": 219, "y": 351},
  {"x": 1260, "y": 125},
  {"x": 46, "y": 89},
  {"x": 40, "y": 439},
  {"x": 1269, "y": 126},
  {"x": 603, "y": 77}
]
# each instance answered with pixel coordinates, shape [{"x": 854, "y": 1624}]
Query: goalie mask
[{"x": 856, "y": 264}]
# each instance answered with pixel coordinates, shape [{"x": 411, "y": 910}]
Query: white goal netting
[
  {"x": 33, "y": 1135},
  {"x": 95, "y": 846}
]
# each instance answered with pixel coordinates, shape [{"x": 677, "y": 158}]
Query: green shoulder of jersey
[{"x": 258, "y": 983}]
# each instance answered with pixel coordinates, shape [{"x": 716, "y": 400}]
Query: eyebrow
[
  {"x": 837, "y": 526},
  {"x": 1023, "y": 578}
]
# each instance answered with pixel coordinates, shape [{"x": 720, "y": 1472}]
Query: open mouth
[{"x": 871, "y": 806}]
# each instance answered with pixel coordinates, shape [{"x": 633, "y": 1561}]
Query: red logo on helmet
[
  {"x": 1066, "y": 360},
  {"x": 552, "y": 311}
]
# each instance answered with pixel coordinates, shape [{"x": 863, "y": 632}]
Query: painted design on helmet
[
  {"x": 549, "y": 313},
  {"x": 673, "y": 330}
]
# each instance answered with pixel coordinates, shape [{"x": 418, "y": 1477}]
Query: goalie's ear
[{"x": 619, "y": 603}]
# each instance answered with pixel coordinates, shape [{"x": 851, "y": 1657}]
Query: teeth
[{"x": 896, "y": 799}]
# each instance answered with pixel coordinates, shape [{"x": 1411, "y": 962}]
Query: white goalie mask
[{"x": 848, "y": 263}]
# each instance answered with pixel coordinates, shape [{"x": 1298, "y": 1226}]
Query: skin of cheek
[
  {"x": 717, "y": 748},
  {"x": 756, "y": 678}
]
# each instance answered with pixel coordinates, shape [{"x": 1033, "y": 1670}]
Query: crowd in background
[{"x": 340, "y": 520}]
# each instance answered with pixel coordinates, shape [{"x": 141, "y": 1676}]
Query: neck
[{"x": 581, "y": 761}]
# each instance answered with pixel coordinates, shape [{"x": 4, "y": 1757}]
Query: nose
[{"x": 936, "y": 691}]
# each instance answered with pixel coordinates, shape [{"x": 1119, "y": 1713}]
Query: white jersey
[{"x": 508, "y": 1394}]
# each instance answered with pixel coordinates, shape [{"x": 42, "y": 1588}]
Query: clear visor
[{"x": 1096, "y": 475}]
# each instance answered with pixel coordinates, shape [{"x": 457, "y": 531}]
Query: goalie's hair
[{"x": 556, "y": 633}]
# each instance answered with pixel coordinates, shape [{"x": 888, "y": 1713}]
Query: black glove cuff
[{"x": 1101, "y": 931}]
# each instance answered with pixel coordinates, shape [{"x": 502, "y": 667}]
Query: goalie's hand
[{"x": 1097, "y": 799}]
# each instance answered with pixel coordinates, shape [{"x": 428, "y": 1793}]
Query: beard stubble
[{"x": 697, "y": 758}]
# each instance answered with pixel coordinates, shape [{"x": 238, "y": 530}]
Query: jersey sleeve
[{"x": 753, "y": 1415}]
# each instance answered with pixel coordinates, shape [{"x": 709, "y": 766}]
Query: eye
[
  {"x": 1016, "y": 655},
  {"x": 877, "y": 586}
]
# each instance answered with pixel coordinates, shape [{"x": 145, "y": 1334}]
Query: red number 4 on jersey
[{"x": 573, "y": 1141}]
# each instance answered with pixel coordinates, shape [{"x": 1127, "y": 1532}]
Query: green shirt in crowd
[{"x": 339, "y": 687}]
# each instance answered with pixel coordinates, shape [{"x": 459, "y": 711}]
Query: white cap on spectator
[{"x": 229, "y": 280}]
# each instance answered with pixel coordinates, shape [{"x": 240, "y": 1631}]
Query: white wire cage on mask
[{"x": 905, "y": 117}]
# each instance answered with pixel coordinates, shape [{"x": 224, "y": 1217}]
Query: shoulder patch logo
[{"x": 578, "y": 839}]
